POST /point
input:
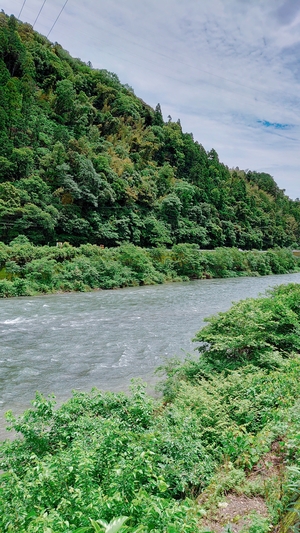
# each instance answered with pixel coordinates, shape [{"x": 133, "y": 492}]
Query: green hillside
[{"x": 84, "y": 160}]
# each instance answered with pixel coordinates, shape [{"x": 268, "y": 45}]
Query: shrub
[{"x": 257, "y": 331}]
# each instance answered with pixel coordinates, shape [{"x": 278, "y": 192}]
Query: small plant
[
  {"x": 113, "y": 526},
  {"x": 258, "y": 524}
]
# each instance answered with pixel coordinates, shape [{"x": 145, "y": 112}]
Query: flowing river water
[{"x": 103, "y": 339}]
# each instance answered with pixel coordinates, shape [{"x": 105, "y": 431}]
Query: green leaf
[
  {"x": 113, "y": 527},
  {"x": 116, "y": 524},
  {"x": 96, "y": 526}
]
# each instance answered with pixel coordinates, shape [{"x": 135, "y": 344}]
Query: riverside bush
[
  {"x": 262, "y": 331},
  {"x": 49, "y": 269}
]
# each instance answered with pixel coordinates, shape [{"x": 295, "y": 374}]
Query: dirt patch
[
  {"x": 235, "y": 511},
  {"x": 270, "y": 464}
]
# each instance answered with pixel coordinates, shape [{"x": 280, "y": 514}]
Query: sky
[{"x": 228, "y": 69}]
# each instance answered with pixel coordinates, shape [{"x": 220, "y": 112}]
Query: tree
[
  {"x": 170, "y": 209},
  {"x": 65, "y": 97},
  {"x": 158, "y": 117}
]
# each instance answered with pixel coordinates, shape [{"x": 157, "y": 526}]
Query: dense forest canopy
[{"x": 84, "y": 160}]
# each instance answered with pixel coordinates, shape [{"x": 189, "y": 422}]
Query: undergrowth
[
  {"x": 166, "y": 463},
  {"x": 26, "y": 269}
]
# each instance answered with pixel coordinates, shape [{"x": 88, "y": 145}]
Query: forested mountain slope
[{"x": 82, "y": 159}]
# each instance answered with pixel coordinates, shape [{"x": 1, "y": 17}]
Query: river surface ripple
[{"x": 103, "y": 339}]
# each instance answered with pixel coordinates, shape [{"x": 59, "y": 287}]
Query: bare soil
[{"x": 236, "y": 510}]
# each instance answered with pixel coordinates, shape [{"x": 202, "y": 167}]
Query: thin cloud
[{"x": 287, "y": 12}]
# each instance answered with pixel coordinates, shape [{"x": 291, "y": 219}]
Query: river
[{"x": 102, "y": 339}]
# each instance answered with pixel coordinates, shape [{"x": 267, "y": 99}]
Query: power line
[
  {"x": 223, "y": 78},
  {"x": 39, "y": 13},
  {"x": 63, "y": 7},
  {"x": 22, "y": 9}
]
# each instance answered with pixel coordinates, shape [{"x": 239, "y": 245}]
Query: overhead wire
[
  {"x": 270, "y": 132},
  {"x": 223, "y": 78},
  {"x": 41, "y": 9},
  {"x": 22, "y": 9},
  {"x": 187, "y": 83},
  {"x": 59, "y": 14},
  {"x": 253, "y": 89}
]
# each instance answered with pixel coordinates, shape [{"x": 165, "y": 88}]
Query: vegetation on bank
[
  {"x": 226, "y": 428},
  {"x": 26, "y": 269},
  {"x": 84, "y": 160}
]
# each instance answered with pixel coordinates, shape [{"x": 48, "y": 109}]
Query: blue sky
[{"x": 229, "y": 69}]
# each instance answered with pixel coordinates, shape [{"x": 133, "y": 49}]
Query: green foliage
[
  {"x": 101, "y": 166},
  {"x": 98, "y": 455},
  {"x": 113, "y": 527},
  {"x": 115, "y": 462},
  {"x": 188, "y": 260},
  {"x": 261, "y": 332},
  {"x": 42, "y": 269}
]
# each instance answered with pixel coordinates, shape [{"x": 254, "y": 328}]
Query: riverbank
[
  {"x": 220, "y": 449},
  {"x": 56, "y": 343},
  {"x": 27, "y": 270}
]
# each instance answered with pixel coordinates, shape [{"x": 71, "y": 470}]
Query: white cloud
[{"x": 229, "y": 69}]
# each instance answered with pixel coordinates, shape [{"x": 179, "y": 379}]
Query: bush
[
  {"x": 52, "y": 268},
  {"x": 258, "y": 331},
  {"x": 188, "y": 261},
  {"x": 7, "y": 288}
]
